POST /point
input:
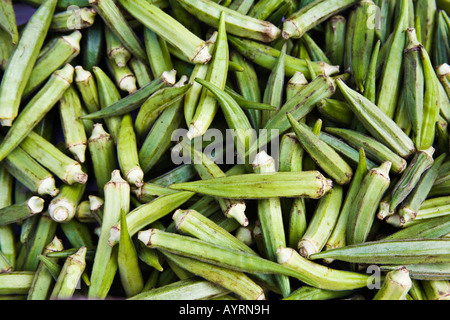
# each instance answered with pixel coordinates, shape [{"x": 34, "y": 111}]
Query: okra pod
[
  {"x": 311, "y": 15},
  {"x": 311, "y": 293},
  {"x": 8, "y": 20},
  {"x": 424, "y": 271},
  {"x": 117, "y": 199},
  {"x": 335, "y": 34},
  {"x": 431, "y": 228},
  {"x": 123, "y": 77},
  {"x": 16, "y": 212},
  {"x": 93, "y": 42},
  {"x": 25, "y": 55},
  {"x": 157, "y": 52},
  {"x": 377, "y": 122},
  {"x": 62, "y": 208},
  {"x": 78, "y": 234},
  {"x": 37, "y": 108},
  {"x": 426, "y": 13},
  {"x": 168, "y": 28},
  {"x": 141, "y": 71},
  {"x": 335, "y": 110},
  {"x": 5, "y": 49},
  {"x": 87, "y": 87},
  {"x": 69, "y": 276},
  {"x": 400, "y": 252},
  {"x": 395, "y": 286},
  {"x": 16, "y": 282},
  {"x": 437, "y": 289},
  {"x": 73, "y": 18}
]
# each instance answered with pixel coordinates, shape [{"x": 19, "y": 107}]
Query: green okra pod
[
  {"x": 248, "y": 104},
  {"x": 127, "y": 152},
  {"x": 322, "y": 222},
  {"x": 364, "y": 207},
  {"x": 16, "y": 212},
  {"x": 25, "y": 55},
  {"x": 70, "y": 110},
  {"x": 217, "y": 73},
  {"x": 37, "y": 108},
  {"x": 377, "y": 122},
  {"x": 30, "y": 173},
  {"x": 93, "y": 42},
  {"x": 8, "y": 20},
  {"x": 63, "y": 50},
  {"x": 62, "y": 208},
  {"x": 78, "y": 234},
  {"x": 133, "y": 101},
  {"x": 16, "y": 282},
  {"x": 322, "y": 154},
  {"x": 117, "y": 23},
  {"x": 437, "y": 289},
  {"x": 426, "y": 12},
  {"x": 117, "y": 199},
  {"x": 311, "y": 15},
  {"x": 266, "y": 56},
  {"x": 73, "y": 18},
  {"x": 335, "y": 32},
  {"x": 141, "y": 71},
  {"x": 395, "y": 286},
  {"x": 424, "y": 271},
  {"x": 148, "y": 213},
  {"x": 374, "y": 149},
  {"x": 236, "y": 23},
  {"x": 295, "y": 84},
  {"x": 69, "y": 276},
  {"x": 335, "y": 110},
  {"x": 157, "y": 52},
  {"x": 400, "y": 252},
  {"x": 258, "y": 186},
  {"x": 123, "y": 77},
  {"x": 311, "y": 293},
  {"x": 5, "y": 49},
  {"x": 87, "y": 87},
  {"x": 169, "y": 28},
  {"x": 431, "y": 228},
  {"x": 421, "y": 162}
]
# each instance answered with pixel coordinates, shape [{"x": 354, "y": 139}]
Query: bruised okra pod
[
  {"x": 16, "y": 212},
  {"x": 73, "y": 128},
  {"x": 270, "y": 217},
  {"x": 170, "y": 29},
  {"x": 37, "y": 108},
  {"x": 70, "y": 275},
  {"x": 311, "y": 15},
  {"x": 148, "y": 213},
  {"x": 74, "y": 18},
  {"x": 43, "y": 280},
  {"x": 377, "y": 122},
  {"x": 67, "y": 169},
  {"x": 399, "y": 252},
  {"x": 421, "y": 162},
  {"x": 322, "y": 154},
  {"x": 63, "y": 50},
  {"x": 25, "y": 55},
  {"x": 30, "y": 173},
  {"x": 116, "y": 22},
  {"x": 62, "y": 208},
  {"x": 365, "y": 205},
  {"x": 322, "y": 222},
  {"x": 103, "y": 155},
  {"x": 207, "y": 106},
  {"x": 117, "y": 199},
  {"x": 127, "y": 152},
  {"x": 395, "y": 286}
]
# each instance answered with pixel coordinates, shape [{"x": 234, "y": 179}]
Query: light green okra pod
[
  {"x": 395, "y": 286},
  {"x": 73, "y": 18}
]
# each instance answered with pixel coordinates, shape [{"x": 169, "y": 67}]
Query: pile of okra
[{"x": 114, "y": 115}]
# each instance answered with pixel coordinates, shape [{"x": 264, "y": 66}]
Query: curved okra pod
[
  {"x": 311, "y": 15},
  {"x": 236, "y": 23},
  {"x": 372, "y": 147},
  {"x": 421, "y": 162},
  {"x": 395, "y": 286},
  {"x": 132, "y": 101},
  {"x": 37, "y": 108},
  {"x": 411, "y": 205},
  {"x": 127, "y": 152},
  {"x": 377, "y": 122},
  {"x": 170, "y": 29},
  {"x": 64, "y": 167},
  {"x": 322, "y": 154},
  {"x": 322, "y": 222},
  {"x": 116, "y": 22},
  {"x": 234, "y": 281},
  {"x": 74, "y": 133},
  {"x": 399, "y": 252},
  {"x": 16, "y": 212},
  {"x": 73, "y": 18},
  {"x": 69, "y": 276},
  {"x": 266, "y": 56},
  {"x": 365, "y": 205},
  {"x": 18, "y": 71},
  {"x": 103, "y": 155},
  {"x": 310, "y": 184},
  {"x": 148, "y": 213},
  {"x": 62, "y": 208},
  {"x": 270, "y": 217},
  {"x": 248, "y": 104},
  {"x": 62, "y": 51},
  {"x": 30, "y": 173},
  {"x": 207, "y": 106},
  {"x": 117, "y": 199},
  {"x": 157, "y": 103}
]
